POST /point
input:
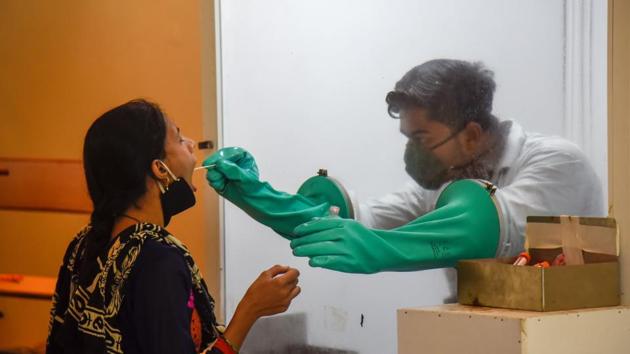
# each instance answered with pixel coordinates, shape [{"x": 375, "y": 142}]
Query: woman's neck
[{"x": 147, "y": 209}]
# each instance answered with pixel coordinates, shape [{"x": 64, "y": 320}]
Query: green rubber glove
[
  {"x": 235, "y": 177},
  {"x": 464, "y": 225},
  {"x": 245, "y": 171}
]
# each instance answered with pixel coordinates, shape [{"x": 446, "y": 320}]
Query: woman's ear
[
  {"x": 158, "y": 170},
  {"x": 473, "y": 134}
]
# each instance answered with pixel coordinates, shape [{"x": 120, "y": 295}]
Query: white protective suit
[{"x": 537, "y": 176}]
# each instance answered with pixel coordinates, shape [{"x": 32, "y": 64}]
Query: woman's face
[{"x": 180, "y": 158}]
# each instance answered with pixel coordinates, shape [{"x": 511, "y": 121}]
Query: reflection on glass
[{"x": 325, "y": 79}]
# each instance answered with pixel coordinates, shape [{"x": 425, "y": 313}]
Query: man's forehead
[
  {"x": 417, "y": 121},
  {"x": 415, "y": 113},
  {"x": 414, "y": 119}
]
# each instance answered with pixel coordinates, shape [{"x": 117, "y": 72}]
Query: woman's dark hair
[
  {"x": 454, "y": 92},
  {"x": 118, "y": 151}
]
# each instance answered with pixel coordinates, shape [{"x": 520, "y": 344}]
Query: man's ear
[{"x": 471, "y": 137}]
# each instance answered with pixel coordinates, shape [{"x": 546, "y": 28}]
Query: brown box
[{"x": 590, "y": 278}]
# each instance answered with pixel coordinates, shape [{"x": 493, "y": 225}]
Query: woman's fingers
[
  {"x": 276, "y": 270},
  {"x": 274, "y": 290},
  {"x": 289, "y": 276},
  {"x": 295, "y": 292}
]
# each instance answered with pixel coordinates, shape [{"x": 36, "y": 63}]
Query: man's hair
[{"x": 454, "y": 92}]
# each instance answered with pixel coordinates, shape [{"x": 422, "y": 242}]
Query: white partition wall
[{"x": 302, "y": 86}]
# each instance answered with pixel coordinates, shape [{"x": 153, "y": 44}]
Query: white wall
[{"x": 303, "y": 86}]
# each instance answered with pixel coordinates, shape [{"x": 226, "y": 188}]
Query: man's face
[
  {"x": 416, "y": 125},
  {"x": 436, "y": 153}
]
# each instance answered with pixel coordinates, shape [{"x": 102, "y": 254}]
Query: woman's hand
[{"x": 271, "y": 293}]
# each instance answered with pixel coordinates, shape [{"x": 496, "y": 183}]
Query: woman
[{"x": 126, "y": 284}]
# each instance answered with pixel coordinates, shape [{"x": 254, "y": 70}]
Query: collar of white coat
[{"x": 513, "y": 146}]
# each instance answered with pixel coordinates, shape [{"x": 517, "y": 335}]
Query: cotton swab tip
[{"x": 204, "y": 167}]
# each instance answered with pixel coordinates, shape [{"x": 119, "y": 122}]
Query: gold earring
[{"x": 163, "y": 185}]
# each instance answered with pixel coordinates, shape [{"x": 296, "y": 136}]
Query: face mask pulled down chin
[
  {"x": 176, "y": 197},
  {"x": 430, "y": 173}
]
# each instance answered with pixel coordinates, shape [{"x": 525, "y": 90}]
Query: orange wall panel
[{"x": 64, "y": 63}]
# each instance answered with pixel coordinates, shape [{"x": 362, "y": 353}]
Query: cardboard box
[{"x": 590, "y": 278}]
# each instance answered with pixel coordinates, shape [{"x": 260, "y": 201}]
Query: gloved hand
[
  {"x": 231, "y": 164},
  {"x": 235, "y": 177},
  {"x": 464, "y": 225}
]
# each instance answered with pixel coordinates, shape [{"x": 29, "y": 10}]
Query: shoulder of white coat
[{"x": 552, "y": 148}]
